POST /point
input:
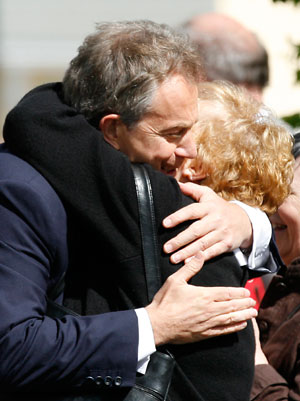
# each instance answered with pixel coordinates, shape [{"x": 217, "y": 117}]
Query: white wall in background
[{"x": 38, "y": 38}]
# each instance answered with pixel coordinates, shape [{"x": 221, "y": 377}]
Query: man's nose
[{"x": 187, "y": 146}]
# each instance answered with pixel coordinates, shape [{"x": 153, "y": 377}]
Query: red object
[{"x": 257, "y": 289}]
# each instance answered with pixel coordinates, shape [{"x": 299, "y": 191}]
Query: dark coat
[
  {"x": 106, "y": 273},
  {"x": 279, "y": 324},
  {"x": 36, "y": 351}
]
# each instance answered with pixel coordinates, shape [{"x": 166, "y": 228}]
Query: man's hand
[
  {"x": 220, "y": 227},
  {"x": 182, "y": 313}
]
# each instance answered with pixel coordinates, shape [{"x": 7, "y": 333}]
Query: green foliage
[
  {"x": 298, "y": 62},
  {"x": 293, "y": 120},
  {"x": 287, "y": 1}
]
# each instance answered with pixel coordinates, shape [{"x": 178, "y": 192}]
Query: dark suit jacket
[
  {"x": 106, "y": 272},
  {"x": 34, "y": 349}
]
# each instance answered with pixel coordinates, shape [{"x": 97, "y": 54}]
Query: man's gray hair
[{"x": 119, "y": 67}]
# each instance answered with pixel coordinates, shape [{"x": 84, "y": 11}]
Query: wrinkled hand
[
  {"x": 260, "y": 357},
  {"x": 220, "y": 227},
  {"x": 182, "y": 313}
]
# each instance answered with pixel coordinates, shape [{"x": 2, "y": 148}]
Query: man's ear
[{"x": 109, "y": 125}]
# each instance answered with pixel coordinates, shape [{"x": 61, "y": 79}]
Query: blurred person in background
[
  {"x": 277, "y": 370},
  {"x": 230, "y": 52}
]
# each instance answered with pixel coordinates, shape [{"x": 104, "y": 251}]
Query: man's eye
[{"x": 175, "y": 135}]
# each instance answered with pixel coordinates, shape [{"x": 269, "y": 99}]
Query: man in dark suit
[{"x": 56, "y": 129}]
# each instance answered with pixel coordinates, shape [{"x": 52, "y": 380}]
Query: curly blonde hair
[{"x": 244, "y": 150}]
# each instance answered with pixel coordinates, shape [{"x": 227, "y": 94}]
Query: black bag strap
[
  {"x": 148, "y": 229},
  {"x": 148, "y": 235}
]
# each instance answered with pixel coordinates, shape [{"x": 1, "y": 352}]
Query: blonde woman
[{"x": 243, "y": 151}]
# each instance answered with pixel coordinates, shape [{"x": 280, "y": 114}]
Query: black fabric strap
[
  {"x": 148, "y": 235},
  {"x": 148, "y": 229}
]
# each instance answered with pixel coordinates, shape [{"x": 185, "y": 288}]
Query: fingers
[
  {"x": 216, "y": 250},
  {"x": 222, "y": 330},
  {"x": 196, "y": 231},
  {"x": 195, "y": 191},
  {"x": 218, "y": 325},
  {"x": 190, "y": 212},
  {"x": 210, "y": 244},
  {"x": 220, "y": 294},
  {"x": 219, "y": 227},
  {"x": 229, "y": 305},
  {"x": 211, "y": 310},
  {"x": 238, "y": 316},
  {"x": 209, "y": 253},
  {"x": 186, "y": 272},
  {"x": 227, "y": 309},
  {"x": 202, "y": 234},
  {"x": 229, "y": 322}
]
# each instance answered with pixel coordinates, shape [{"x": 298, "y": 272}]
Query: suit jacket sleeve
[{"x": 35, "y": 350}]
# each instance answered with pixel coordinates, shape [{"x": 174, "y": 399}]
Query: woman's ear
[
  {"x": 197, "y": 175},
  {"x": 109, "y": 125},
  {"x": 192, "y": 174}
]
